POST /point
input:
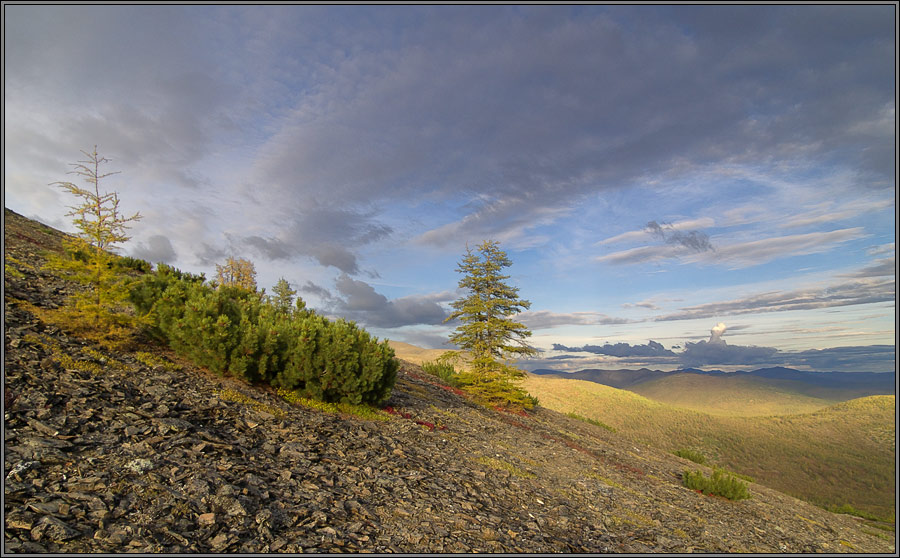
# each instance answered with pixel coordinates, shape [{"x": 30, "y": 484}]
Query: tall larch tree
[
  {"x": 89, "y": 256},
  {"x": 237, "y": 272}
]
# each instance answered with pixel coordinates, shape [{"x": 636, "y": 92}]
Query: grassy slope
[
  {"x": 731, "y": 395},
  {"x": 840, "y": 454},
  {"x": 414, "y": 354}
]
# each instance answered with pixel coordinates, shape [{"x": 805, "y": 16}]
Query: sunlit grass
[
  {"x": 840, "y": 454},
  {"x": 361, "y": 411}
]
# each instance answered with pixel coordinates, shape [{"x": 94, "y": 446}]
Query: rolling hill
[
  {"x": 839, "y": 454},
  {"x": 733, "y": 395},
  {"x": 832, "y": 386}
]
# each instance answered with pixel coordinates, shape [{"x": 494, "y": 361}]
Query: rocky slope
[{"x": 113, "y": 452}]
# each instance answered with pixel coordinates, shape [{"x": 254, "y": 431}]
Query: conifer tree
[
  {"x": 487, "y": 330},
  {"x": 283, "y": 296},
  {"x": 88, "y": 257},
  {"x": 237, "y": 273}
]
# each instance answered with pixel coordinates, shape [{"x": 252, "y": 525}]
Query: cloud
[
  {"x": 882, "y": 249},
  {"x": 644, "y": 304},
  {"x": 716, "y": 333},
  {"x": 327, "y": 234},
  {"x": 318, "y": 291},
  {"x": 694, "y": 240},
  {"x": 545, "y": 319},
  {"x": 360, "y": 302},
  {"x": 157, "y": 249},
  {"x": 883, "y": 267},
  {"x": 449, "y": 111},
  {"x": 508, "y": 221},
  {"x": 757, "y": 252},
  {"x": 871, "y": 358},
  {"x": 705, "y": 353},
  {"x": 859, "y": 291},
  {"x": 643, "y": 254},
  {"x": 736, "y": 255},
  {"x": 826, "y": 212},
  {"x": 651, "y": 349}
]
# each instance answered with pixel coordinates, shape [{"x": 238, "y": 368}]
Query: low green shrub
[
  {"x": 721, "y": 483},
  {"x": 361, "y": 411},
  {"x": 137, "y": 264},
  {"x": 850, "y": 510},
  {"x": 237, "y": 331},
  {"x": 691, "y": 455},
  {"x": 443, "y": 370}
]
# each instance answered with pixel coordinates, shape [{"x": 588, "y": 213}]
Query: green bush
[
  {"x": 721, "y": 483},
  {"x": 442, "y": 370},
  {"x": 236, "y": 331},
  {"x": 850, "y": 510},
  {"x": 691, "y": 455},
  {"x": 496, "y": 391},
  {"x": 127, "y": 262}
]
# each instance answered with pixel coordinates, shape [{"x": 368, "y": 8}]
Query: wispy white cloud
[
  {"x": 756, "y": 252},
  {"x": 648, "y": 304},
  {"x": 740, "y": 254},
  {"x": 830, "y": 212},
  {"x": 849, "y": 293},
  {"x": 508, "y": 221},
  {"x": 647, "y": 232},
  {"x": 545, "y": 319}
]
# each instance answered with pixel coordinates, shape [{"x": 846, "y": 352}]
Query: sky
[{"x": 676, "y": 186}]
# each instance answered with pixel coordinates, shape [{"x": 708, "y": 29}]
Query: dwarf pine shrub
[
  {"x": 721, "y": 483},
  {"x": 443, "y": 370},
  {"x": 691, "y": 455},
  {"x": 237, "y": 331}
]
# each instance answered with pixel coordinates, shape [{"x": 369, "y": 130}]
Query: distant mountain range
[{"x": 866, "y": 383}]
